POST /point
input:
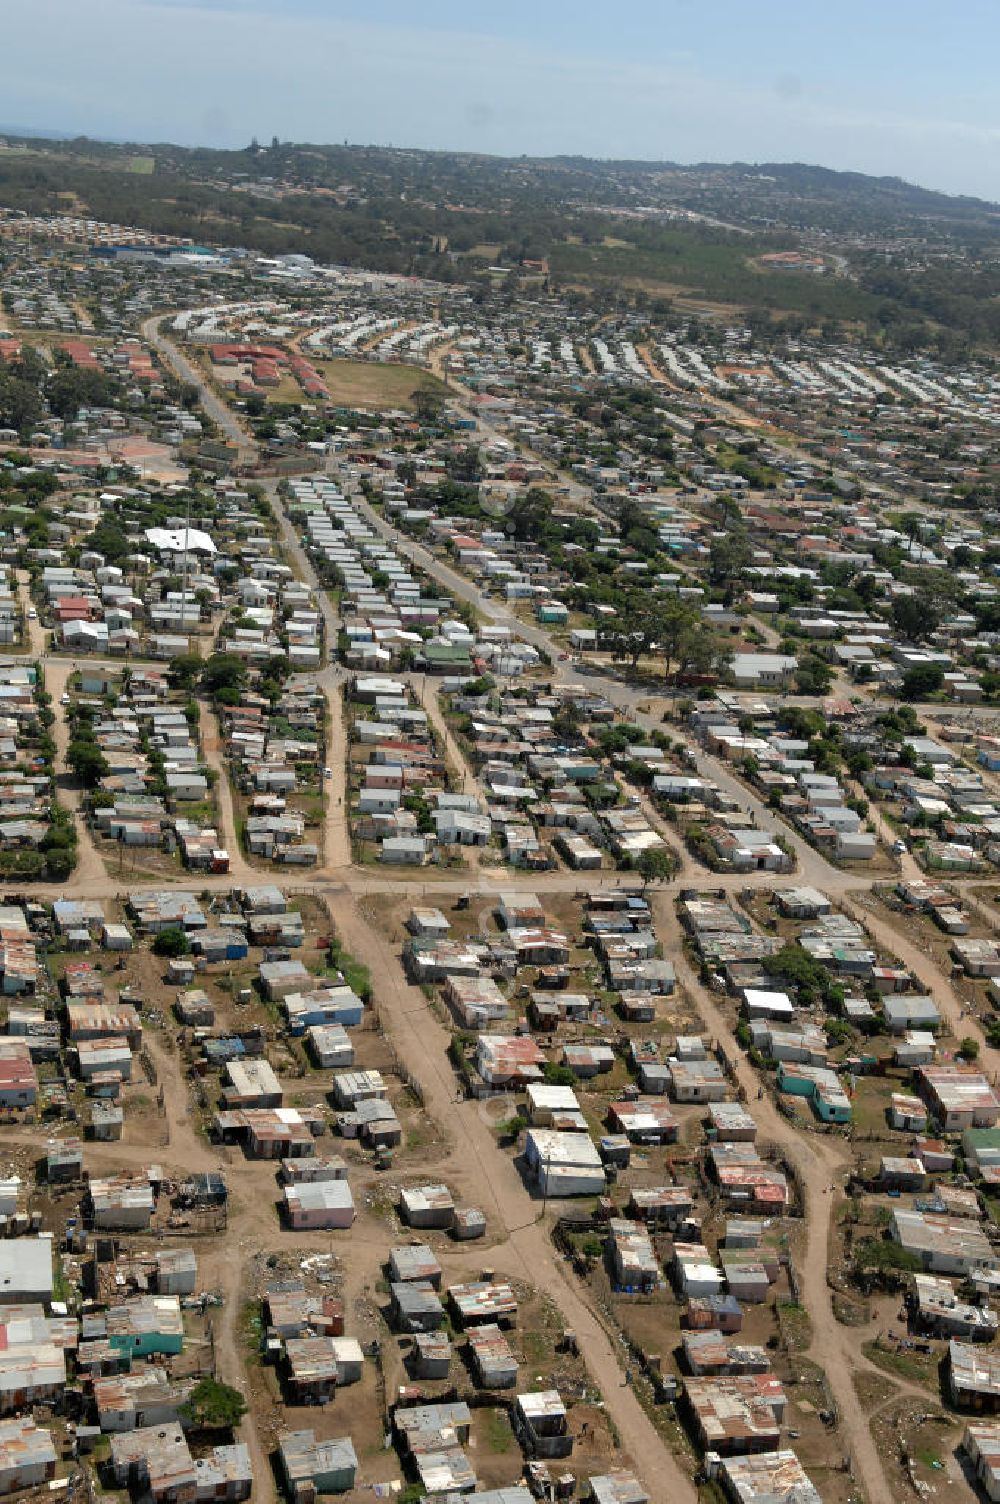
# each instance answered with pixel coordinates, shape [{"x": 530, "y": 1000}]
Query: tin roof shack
[
  {"x": 736, "y": 1414},
  {"x": 696, "y": 1275},
  {"x": 91, "y": 1021},
  {"x": 554, "y": 1106},
  {"x": 154, "y": 1460},
  {"x": 26, "y": 1270},
  {"x": 431, "y": 1355},
  {"x": 330, "y": 1046},
  {"x": 907, "y": 1113},
  {"x": 493, "y": 1361},
  {"x": 414, "y": 1261},
  {"x": 157, "y": 1461},
  {"x": 697, "y": 1081},
  {"x": 507, "y": 1060},
  {"x": 484, "y": 1301},
  {"x": 280, "y": 979},
  {"x": 644, "y": 1122},
  {"x": 747, "y": 1181},
  {"x": 631, "y": 1256},
  {"x": 144, "y": 1398},
  {"x": 732, "y": 1123},
  {"x": 328, "y": 1467},
  {"x": 905, "y": 1013},
  {"x": 747, "y": 1275},
  {"x": 18, "y": 1082},
  {"x": 318, "y": 1366},
  {"x": 958, "y": 1097},
  {"x": 352, "y": 1087},
  {"x": 299, "y": 1171},
  {"x": 32, "y": 1360},
  {"x": 936, "y": 1309},
  {"x": 27, "y": 1455},
  {"x": 433, "y": 1436},
  {"x": 542, "y": 1425},
  {"x": 107, "y": 1056},
  {"x": 290, "y": 1312},
  {"x": 565, "y": 1164},
  {"x": 251, "y": 1083},
  {"x": 768, "y": 1478},
  {"x": 122, "y": 1202},
  {"x": 176, "y": 1271},
  {"x": 269, "y": 1132},
  {"x": 195, "y": 1009},
  {"x": 63, "y": 1161},
  {"x": 711, "y": 1355},
  {"x": 476, "y": 1002},
  {"x": 973, "y": 1376},
  {"x": 416, "y": 1306},
  {"x": 981, "y": 1444},
  {"x": 469, "y": 1223},
  {"x": 147, "y": 1326},
  {"x": 224, "y": 1473},
  {"x": 373, "y": 1121},
  {"x": 618, "y": 1487},
  {"x": 427, "y": 1206},
  {"x": 944, "y": 1245},
  {"x": 319, "y": 1204},
  {"x": 661, "y": 1205},
  {"x": 325, "y": 1004}
]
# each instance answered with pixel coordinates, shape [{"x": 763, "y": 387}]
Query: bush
[
  {"x": 171, "y": 943},
  {"x": 214, "y": 1405},
  {"x": 558, "y": 1075}
]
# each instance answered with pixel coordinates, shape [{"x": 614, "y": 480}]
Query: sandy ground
[{"x": 470, "y": 1158}]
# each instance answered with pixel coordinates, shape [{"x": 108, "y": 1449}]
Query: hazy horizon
[{"x": 889, "y": 90}]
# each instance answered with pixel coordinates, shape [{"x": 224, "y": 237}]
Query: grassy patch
[
  {"x": 915, "y": 1368},
  {"x": 357, "y": 977},
  {"x": 795, "y": 1325},
  {"x": 369, "y": 384},
  {"x": 252, "y": 1330},
  {"x": 496, "y": 1431}
]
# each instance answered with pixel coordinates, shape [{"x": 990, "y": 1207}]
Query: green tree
[
  {"x": 184, "y": 670},
  {"x": 86, "y": 761},
  {"x": 428, "y": 404},
  {"x": 880, "y": 1262},
  {"x": 21, "y": 406},
  {"x": 566, "y": 721},
  {"x": 813, "y": 675},
  {"x": 213, "y": 1405},
  {"x": 530, "y": 518},
  {"x": 171, "y": 943},
  {"x": 728, "y": 557},
  {"x": 223, "y": 671},
  {"x": 922, "y": 681},
  {"x": 658, "y": 864}
]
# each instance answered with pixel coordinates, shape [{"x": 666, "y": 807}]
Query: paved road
[{"x": 185, "y": 371}]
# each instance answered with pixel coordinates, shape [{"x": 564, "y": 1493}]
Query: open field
[{"x": 362, "y": 383}]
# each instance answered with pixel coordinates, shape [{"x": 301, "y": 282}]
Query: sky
[{"x": 898, "y": 87}]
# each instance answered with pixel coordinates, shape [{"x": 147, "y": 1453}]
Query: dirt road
[
  {"x": 526, "y": 1249},
  {"x": 819, "y": 1163}
]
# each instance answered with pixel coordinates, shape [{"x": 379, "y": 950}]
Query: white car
[
  {"x": 327, "y": 772},
  {"x": 32, "y": 614}
]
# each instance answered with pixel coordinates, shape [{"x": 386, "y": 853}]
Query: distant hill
[{"x": 906, "y": 262}]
